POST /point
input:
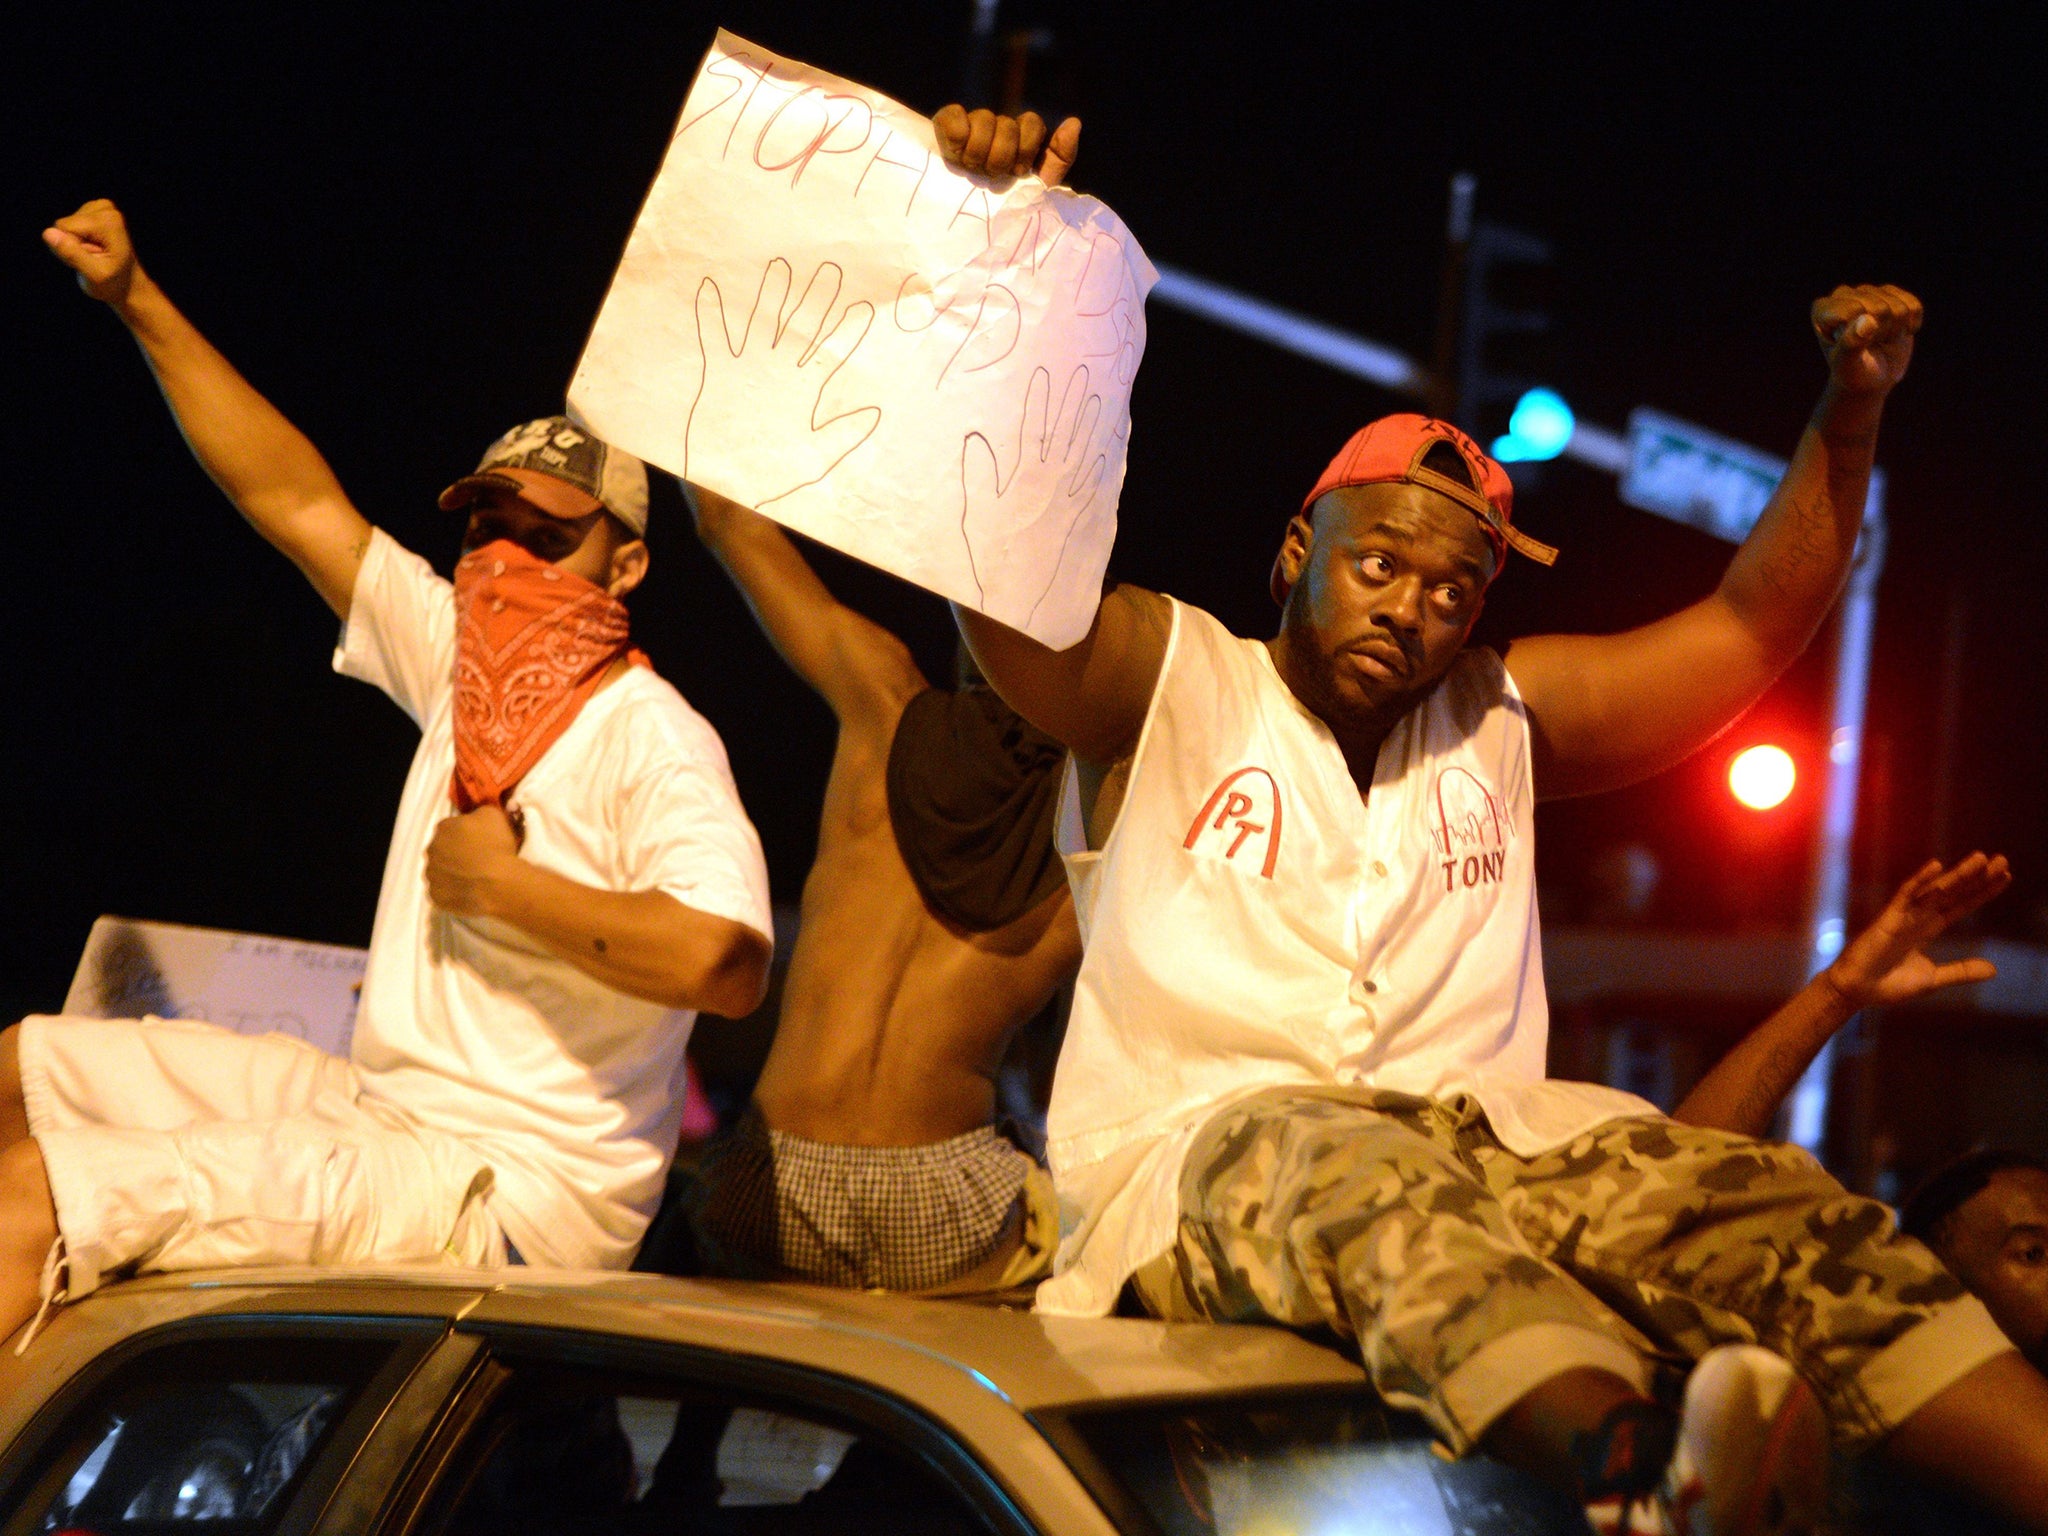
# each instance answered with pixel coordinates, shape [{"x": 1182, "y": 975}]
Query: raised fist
[
  {"x": 93, "y": 242},
  {"x": 1867, "y": 335},
  {"x": 993, "y": 145}
]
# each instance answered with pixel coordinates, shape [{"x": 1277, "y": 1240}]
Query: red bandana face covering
[{"x": 532, "y": 642}]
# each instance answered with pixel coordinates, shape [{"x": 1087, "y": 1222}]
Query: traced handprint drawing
[
  {"x": 776, "y": 371},
  {"x": 1006, "y": 537},
  {"x": 1096, "y": 510}
]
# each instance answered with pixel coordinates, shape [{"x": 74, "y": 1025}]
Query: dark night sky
[{"x": 399, "y": 221}]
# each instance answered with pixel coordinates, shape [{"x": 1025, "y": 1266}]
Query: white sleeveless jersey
[{"x": 1252, "y": 921}]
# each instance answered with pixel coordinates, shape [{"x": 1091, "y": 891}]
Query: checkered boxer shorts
[{"x": 768, "y": 1204}]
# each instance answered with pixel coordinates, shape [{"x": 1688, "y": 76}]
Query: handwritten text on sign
[{"x": 820, "y": 318}]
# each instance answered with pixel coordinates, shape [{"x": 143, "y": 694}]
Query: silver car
[{"x": 457, "y": 1403}]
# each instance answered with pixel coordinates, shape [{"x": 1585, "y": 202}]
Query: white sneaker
[{"x": 1752, "y": 1457}]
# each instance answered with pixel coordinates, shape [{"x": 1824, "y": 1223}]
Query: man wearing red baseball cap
[
  {"x": 571, "y": 877},
  {"x": 1303, "y": 1077}
]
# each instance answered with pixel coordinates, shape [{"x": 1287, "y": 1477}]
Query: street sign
[
  {"x": 1696, "y": 477},
  {"x": 1711, "y": 482}
]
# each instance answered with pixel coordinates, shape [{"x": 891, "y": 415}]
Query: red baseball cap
[{"x": 1393, "y": 448}]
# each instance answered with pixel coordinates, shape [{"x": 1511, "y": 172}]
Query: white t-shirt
[
  {"x": 570, "y": 1090},
  {"x": 1253, "y": 922}
]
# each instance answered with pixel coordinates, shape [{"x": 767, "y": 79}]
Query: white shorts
[{"x": 172, "y": 1144}]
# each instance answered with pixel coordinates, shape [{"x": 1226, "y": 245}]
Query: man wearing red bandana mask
[
  {"x": 1304, "y": 1077},
  {"x": 571, "y": 877}
]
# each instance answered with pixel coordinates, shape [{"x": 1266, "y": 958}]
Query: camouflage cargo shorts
[{"x": 1402, "y": 1223}]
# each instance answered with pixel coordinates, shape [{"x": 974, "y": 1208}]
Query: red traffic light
[{"x": 1761, "y": 777}]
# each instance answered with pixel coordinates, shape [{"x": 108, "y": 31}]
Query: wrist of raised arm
[
  {"x": 1841, "y": 995},
  {"x": 1847, "y": 422},
  {"x": 145, "y": 308}
]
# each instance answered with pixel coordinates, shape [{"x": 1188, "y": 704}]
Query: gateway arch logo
[
  {"x": 1240, "y": 824},
  {"x": 1470, "y": 831}
]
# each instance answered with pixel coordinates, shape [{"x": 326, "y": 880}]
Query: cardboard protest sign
[
  {"x": 247, "y": 982},
  {"x": 930, "y": 371}
]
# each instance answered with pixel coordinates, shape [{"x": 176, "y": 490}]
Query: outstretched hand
[
  {"x": 996, "y": 145},
  {"x": 1866, "y": 333},
  {"x": 94, "y": 243},
  {"x": 1885, "y": 962}
]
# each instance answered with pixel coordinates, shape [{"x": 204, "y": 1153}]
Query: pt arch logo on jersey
[
  {"x": 1469, "y": 830},
  {"x": 1240, "y": 823}
]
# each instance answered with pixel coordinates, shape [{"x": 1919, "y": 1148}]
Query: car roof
[{"x": 918, "y": 1348}]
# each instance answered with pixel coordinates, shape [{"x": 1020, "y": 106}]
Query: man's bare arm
[
  {"x": 1091, "y": 697},
  {"x": 865, "y": 673},
  {"x": 1608, "y": 710},
  {"x": 643, "y": 943},
  {"x": 1883, "y": 965},
  {"x": 275, "y": 477}
]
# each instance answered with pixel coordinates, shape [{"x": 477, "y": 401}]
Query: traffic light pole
[
  {"x": 979, "y": 56},
  {"x": 1442, "y": 397},
  {"x": 1828, "y": 929}
]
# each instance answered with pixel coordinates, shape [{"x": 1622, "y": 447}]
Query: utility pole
[
  {"x": 1442, "y": 397},
  {"x": 995, "y": 68},
  {"x": 979, "y": 61}
]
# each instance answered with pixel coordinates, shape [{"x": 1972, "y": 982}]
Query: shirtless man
[{"x": 935, "y": 922}]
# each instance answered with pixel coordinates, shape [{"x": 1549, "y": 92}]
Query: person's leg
[
  {"x": 1554, "y": 1430},
  {"x": 28, "y": 1230},
  {"x": 342, "y": 1183},
  {"x": 160, "y": 1074},
  {"x": 1705, "y": 1238},
  {"x": 102, "y": 1099},
  {"x": 1316, "y": 1212},
  {"x": 165, "y": 1144}
]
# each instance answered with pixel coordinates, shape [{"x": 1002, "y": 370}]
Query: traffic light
[
  {"x": 1761, "y": 777},
  {"x": 1538, "y": 429},
  {"x": 1504, "y": 347}
]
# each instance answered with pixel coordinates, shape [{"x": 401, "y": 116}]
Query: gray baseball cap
[{"x": 563, "y": 470}]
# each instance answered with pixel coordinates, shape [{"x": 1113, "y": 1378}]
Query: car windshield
[
  {"x": 211, "y": 1433},
  {"x": 1301, "y": 1464}
]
